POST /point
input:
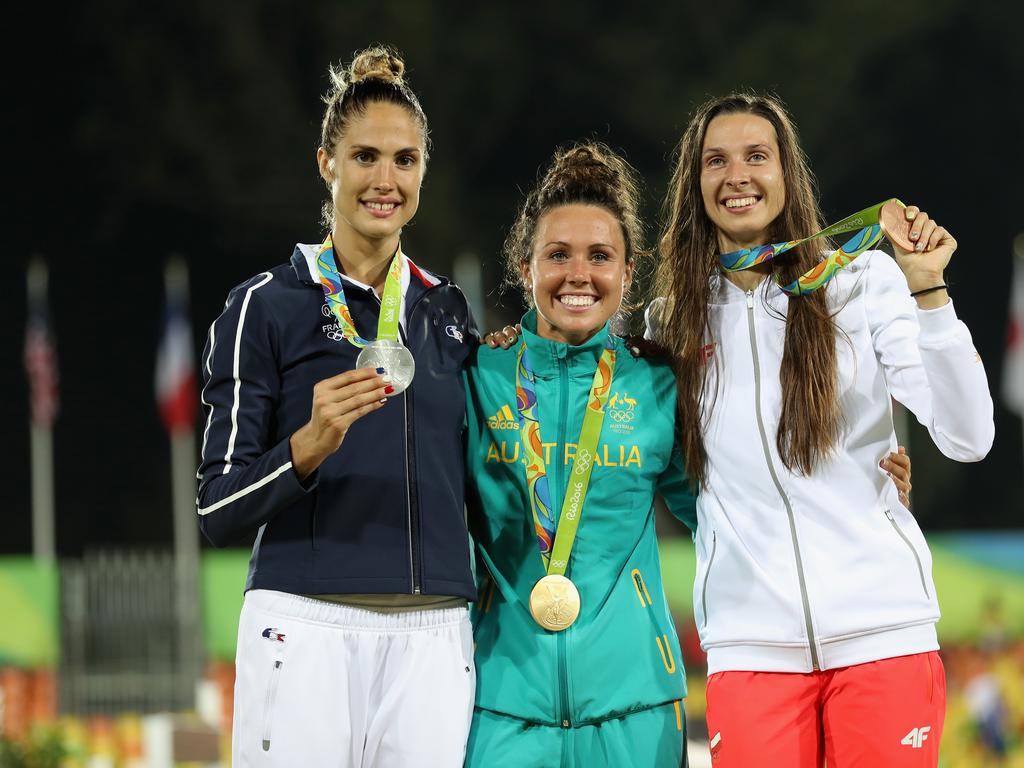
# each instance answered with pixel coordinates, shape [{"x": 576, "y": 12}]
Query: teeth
[
  {"x": 740, "y": 202},
  {"x": 577, "y": 301},
  {"x": 380, "y": 206}
]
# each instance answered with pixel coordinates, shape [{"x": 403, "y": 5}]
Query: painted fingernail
[
  {"x": 388, "y": 389},
  {"x": 380, "y": 370},
  {"x": 911, "y": 215},
  {"x": 387, "y": 378},
  {"x": 382, "y": 400},
  {"x": 919, "y": 247}
]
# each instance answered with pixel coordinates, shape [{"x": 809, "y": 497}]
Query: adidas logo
[{"x": 503, "y": 419}]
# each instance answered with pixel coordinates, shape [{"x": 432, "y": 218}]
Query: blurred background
[{"x": 164, "y": 152}]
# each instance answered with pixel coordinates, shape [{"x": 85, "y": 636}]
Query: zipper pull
[
  {"x": 750, "y": 299},
  {"x": 889, "y": 515}
]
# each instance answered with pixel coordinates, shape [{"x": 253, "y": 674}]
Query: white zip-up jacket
[{"x": 797, "y": 573}]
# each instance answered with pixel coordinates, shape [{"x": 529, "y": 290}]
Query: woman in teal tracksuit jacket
[{"x": 607, "y": 690}]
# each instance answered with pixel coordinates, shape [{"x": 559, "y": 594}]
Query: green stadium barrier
[
  {"x": 971, "y": 571},
  {"x": 29, "y": 606},
  {"x": 223, "y": 582}
]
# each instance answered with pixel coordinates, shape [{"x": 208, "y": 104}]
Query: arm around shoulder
[{"x": 652, "y": 319}]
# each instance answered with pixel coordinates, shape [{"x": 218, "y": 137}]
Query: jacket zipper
[
  {"x": 778, "y": 486},
  {"x": 268, "y": 706},
  {"x": 563, "y": 681},
  {"x": 917, "y": 559},
  {"x": 707, "y": 573},
  {"x": 412, "y": 508},
  {"x": 410, "y": 488}
]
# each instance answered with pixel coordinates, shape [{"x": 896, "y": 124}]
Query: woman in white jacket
[{"x": 814, "y": 597}]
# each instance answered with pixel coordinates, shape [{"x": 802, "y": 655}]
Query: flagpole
[
  {"x": 186, "y": 560},
  {"x": 43, "y": 548},
  {"x": 41, "y": 441},
  {"x": 186, "y": 530}
]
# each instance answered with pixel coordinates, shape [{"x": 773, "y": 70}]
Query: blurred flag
[
  {"x": 1013, "y": 362},
  {"x": 175, "y": 369},
  {"x": 40, "y": 350}
]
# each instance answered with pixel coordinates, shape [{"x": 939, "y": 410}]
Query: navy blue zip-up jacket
[{"x": 384, "y": 514}]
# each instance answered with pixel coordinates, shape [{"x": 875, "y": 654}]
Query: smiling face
[
  {"x": 741, "y": 179},
  {"x": 577, "y": 272},
  {"x": 375, "y": 173}
]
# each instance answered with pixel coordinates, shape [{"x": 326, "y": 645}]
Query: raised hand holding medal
[
  {"x": 386, "y": 351},
  {"x": 394, "y": 357},
  {"x": 923, "y": 257},
  {"x": 894, "y": 218}
]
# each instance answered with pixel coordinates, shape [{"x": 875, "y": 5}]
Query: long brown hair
[{"x": 810, "y": 418}]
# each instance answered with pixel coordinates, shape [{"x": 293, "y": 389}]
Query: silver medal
[{"x": 396, "y": 360}]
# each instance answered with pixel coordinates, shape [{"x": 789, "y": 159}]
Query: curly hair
[{"x": 586, "y": 173}]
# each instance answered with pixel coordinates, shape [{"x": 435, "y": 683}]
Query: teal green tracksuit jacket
[{"x": 622, "y": 654}]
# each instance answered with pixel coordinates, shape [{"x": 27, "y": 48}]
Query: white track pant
[{"x": 320, "y": 684}]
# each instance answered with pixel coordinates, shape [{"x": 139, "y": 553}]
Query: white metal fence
[{"x": 124, "y": 646}]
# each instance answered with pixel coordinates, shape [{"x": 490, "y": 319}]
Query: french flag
[{"x": 175, "y": 367}]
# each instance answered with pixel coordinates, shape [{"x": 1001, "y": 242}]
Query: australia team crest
[{"x": 621, "y": 412}]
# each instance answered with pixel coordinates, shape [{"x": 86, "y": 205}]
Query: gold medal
[{"x": 555, "y": 603}]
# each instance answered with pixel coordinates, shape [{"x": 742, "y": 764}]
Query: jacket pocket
[
  {"x": 268, "y": 706},
  {"x": 917, "y": 558},
  {"x": 704, "y": 585},
  {"x": 664, "y": 640}
]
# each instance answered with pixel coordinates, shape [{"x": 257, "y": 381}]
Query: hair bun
[
  {"x": 588, "y": 173},
  {"x": 377, "y": 63},
  {"x": 591, "y": 163}
]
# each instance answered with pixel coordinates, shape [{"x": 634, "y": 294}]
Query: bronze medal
[
  {"x": 892, "y": 218},
  {"x": 555, "y": 603}
]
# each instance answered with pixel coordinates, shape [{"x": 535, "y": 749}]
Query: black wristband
[{"x": 923, "y": 291}]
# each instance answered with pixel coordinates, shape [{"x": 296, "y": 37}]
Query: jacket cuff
[
  {"x": 302, "y": 487},
  {"x": 938, "y": 325}
]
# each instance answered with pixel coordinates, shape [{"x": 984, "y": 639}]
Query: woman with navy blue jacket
[{"x": 354, "y": 644}]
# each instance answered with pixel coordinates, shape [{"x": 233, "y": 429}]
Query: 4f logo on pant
[{"x": 917, "y": 737}]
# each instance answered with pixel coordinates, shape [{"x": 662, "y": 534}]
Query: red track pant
[{"x": 883, "y": 713}]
